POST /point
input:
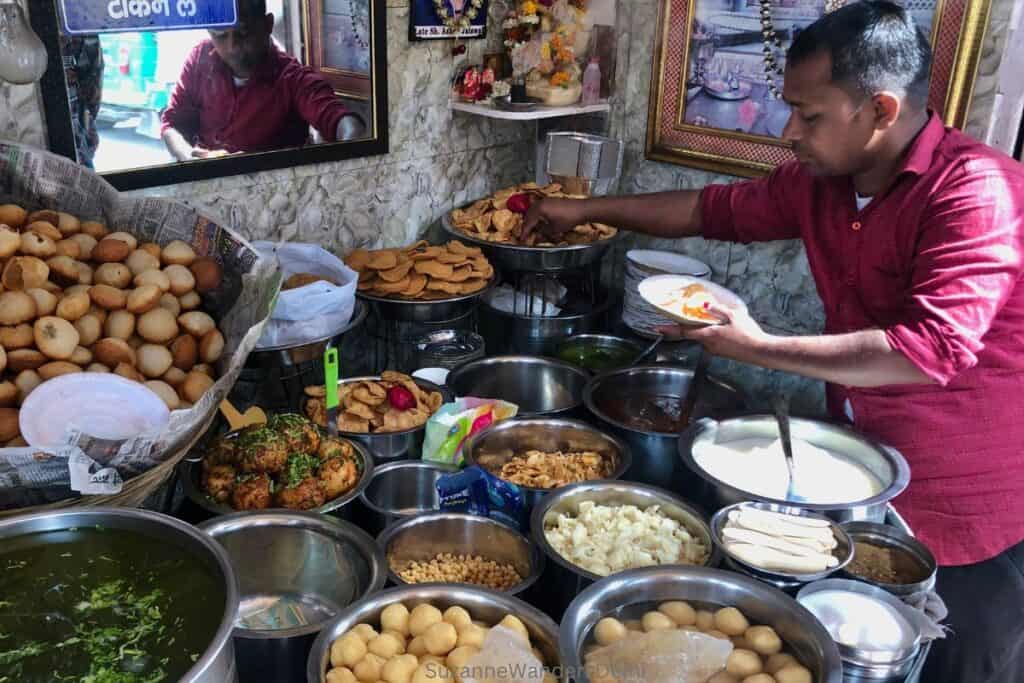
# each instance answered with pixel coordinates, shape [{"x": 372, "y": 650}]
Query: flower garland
[
  {"x": 771, "y": 42},
  {"x": 457, "y": 21},
  {"x": 360, "y": 40}
]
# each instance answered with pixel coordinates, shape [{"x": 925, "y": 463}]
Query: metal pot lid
[{"x": 870, "y": 626}]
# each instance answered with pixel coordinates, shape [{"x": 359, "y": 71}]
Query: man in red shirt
[
  {"x": 914, "y": 236},
  {"x": 239, "y": 93}
]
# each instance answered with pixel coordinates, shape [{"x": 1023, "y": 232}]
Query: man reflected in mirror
[{"x": 239, "y": 92}]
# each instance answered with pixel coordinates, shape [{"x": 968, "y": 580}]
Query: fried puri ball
[
  {"x": 252, "y": 493},
  {"x": 304, "y": 496},
  {"x": 218, "y": 482},
  {"x": 337, "y": 476}
]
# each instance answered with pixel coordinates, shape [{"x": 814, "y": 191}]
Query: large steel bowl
[
  {"x": 421, "y": 538},
  {"x": 539, "y": 386},
  {"x": 884, "y": 462},
  {"x": 391, "y": 446},
  {"x": 296, "y": 572},
  {"x": 399, "y": 490},
  {"x": 425, "y": 310},
  {"x": 613, "y": 397},
  {"x": 217, "y": 663},
  {"x": 192, "y": 474},
  {"x": 562, "y": 579},
  {"x": 640, "y": 588},
  {"x": 497, "y": 444},
  {"x": 483, "y": 605},
  {"x": 517, "y": 258},
  {"x": 626, "y": 349},
  {"x": 538, "y": 335}
]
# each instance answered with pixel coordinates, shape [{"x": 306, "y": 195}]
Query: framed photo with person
[
  {"x": 717, "y": 75},
  {"x": 447, "y": 19}
]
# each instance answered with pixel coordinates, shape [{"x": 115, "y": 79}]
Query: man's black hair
[
  {"x": 252, "y": 8},
  {"x": 874, "y": 46}
]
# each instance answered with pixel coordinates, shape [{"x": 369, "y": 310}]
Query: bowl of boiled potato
[
  {"x": 432, "y": 632},
  {"x": 693, "y": 624}
]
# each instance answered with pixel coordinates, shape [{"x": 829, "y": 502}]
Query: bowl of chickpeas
[
  {"x": 447, "y": 547},
  {"x": 644, "y": 624},
  {"x": 433, "y": 632}
]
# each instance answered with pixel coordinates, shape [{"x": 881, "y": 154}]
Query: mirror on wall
[{"x": 289, "y": 82}]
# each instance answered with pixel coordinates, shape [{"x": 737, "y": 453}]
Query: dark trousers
[{"x": 986, "y": 613}]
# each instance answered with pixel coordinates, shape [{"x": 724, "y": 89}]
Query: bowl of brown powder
[{"x": 888, "y": 558}]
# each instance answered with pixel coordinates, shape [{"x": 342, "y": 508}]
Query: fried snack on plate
[
  {"x": 500, "y": 218},
  {"x": 421, "y": 271},
  {"x": 394, "y": 403}
]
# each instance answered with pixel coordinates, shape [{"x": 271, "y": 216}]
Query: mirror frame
[{"x": 57, "y": 113}]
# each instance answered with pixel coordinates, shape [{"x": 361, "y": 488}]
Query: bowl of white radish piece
[{"x": 784, "y": 546}]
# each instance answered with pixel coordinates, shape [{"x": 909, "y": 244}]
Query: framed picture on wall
[
  {"x": 447, "y": 19},
  {"x": 711, "y": 106},
  {"x": 340, "y": 33}
]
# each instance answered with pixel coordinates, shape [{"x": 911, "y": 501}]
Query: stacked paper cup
[{"x": 637, "y": 314}]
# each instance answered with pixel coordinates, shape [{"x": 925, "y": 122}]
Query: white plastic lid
[{"x": 102, "y": 405}]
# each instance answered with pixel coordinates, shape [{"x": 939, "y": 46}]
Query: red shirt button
[{"x": 856, "y": 225}]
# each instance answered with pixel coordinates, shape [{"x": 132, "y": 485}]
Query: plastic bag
[
  {"x": 322, "y": 308},
  {"x": 504, "y": 657},
  {"x": 476, "y": 491},
  {"x": 671, "y": 656},
  {"x": 453, "y": 423}
]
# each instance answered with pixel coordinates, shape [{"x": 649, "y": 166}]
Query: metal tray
[
  {"x": 426, "y": 310},
  {"x": 510, "y": 257}
]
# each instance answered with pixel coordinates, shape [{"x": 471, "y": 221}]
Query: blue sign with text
[{"x": 110, "y": 16}]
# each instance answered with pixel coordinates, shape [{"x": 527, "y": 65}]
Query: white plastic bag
[{"x": 312, "y": 312}]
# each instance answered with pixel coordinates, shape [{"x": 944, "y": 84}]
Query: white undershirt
[{"x": 862, "y": 201}]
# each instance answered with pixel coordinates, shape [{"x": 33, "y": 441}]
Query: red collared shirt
[
  {"x": 272, "y": 110},
  {"x": 936, "y": 262}
]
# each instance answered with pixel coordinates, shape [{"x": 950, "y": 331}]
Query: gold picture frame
[{"x": 678, "y": 132}]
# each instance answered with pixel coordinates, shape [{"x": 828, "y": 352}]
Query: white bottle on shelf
[{"x": 592, "y": 82}]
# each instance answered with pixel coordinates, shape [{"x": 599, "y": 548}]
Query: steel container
[
  {"x": 613, "y": 396},
  {"x": 890, "y": 536},
  {"x": 399, "y": 490},
  {"x": 217, "y": 663},
  {"x": 497, "y": 444},
  {"x": 884, "y": 462},
  {"x": 191, "y": 471},
  {"x": 391, "y": 446},
  {"x": 296, "y": 571},
  {"x": 483, "y": 605},
  {"x": 564, "y": 580},
  {"x": 641, "y": 589},
  {"x": 539, "y": 386},
  {"x": 629, "y": 349},
  {"x": 516, "y": 332},
  {"x": 422, "y": 538}
]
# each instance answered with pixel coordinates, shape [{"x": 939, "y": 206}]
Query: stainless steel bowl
[
  {"x": 884, "y": 462},
  {"x": 497, "y": 444},
  {"x": 399, "y": 490},
  {"x": 534, "y": 259},
  {"x": 217, "y": 663},
  {"x": 613, "y": 397},
  {"x": 562, "y": 579},
  {"x": 638, "y": 589},
  {"x": 390, "y": 446},
  {"x": 887, "y": 535},
  {"x": 296, "y": 572},
  {"x": 425, "y": 310},
  {"x": 422, "y": 538},
  {"x": 537, "y": 335},
  {"x": 843, "y": 552},
  {"x": 878, "y": 664},
  {"x": 539, "y": 386},
  {"x": 192, "y": 474},
  {"x": 483, "y": 605},
  {"x": 627, "y": 348}
]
